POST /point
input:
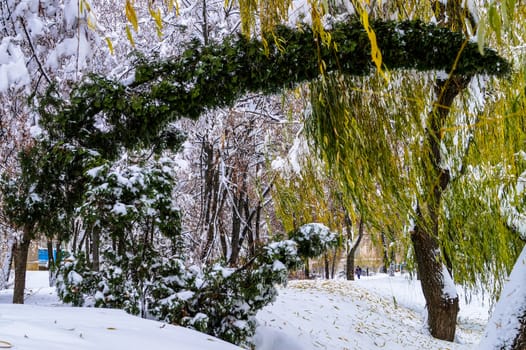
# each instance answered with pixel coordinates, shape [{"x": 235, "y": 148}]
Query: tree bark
[
  {"x": 385, "y": 253},
  {"x": 352, "y": 250},
  {"x": 307, "y": 268},
  {"x": 95, "y": 249},
  {"x": 520, "y": 341},
  {"x": 326, "y": 264},
  {"x": 8, "y": 260},
  {"x": 349, "y": 266},
  {"x": 50, "y": 257},
  {"x": 442, "y": 309},
  {"x": 235, "y": 235},
  {"x": 21, "y": 253}
]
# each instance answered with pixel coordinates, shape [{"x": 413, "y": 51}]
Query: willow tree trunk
[
  {"x": 21, "y": 253},
  {"x": 437, "y": 284},
  {"x": 441, "y": 301}
]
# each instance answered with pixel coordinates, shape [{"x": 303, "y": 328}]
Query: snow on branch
[{"x": 218, "y": 74}]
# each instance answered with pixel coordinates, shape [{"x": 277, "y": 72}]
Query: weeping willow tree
[
  {"x": 438, "y": 153},
  {"x": 436, "y": 186},
  {"x": 382, "y": 150}
]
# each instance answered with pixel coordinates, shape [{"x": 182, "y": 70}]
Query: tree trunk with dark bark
[
  {"x": 95, "y": 249},
  {"x": 307, "y": 268},
  {"x": 385, "y": 253},
  {"x": 349, "y": 266},
  {"x": 442, "y": 309},
  {"x": 326, "y": 264},
  {"x": 520, "y": 341},
  {"x": 352, "y": 250},
  {"x": 50, "y": 257},
  {"x": 21, "y": 253}
]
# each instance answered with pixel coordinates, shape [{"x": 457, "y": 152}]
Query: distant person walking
[{"x": 358, "y": 271}]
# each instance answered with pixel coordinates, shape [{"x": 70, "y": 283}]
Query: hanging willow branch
[{"x": 207, "y": 77}]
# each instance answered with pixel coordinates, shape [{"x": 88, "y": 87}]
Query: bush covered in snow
[
  {"x": 217, "y": 300},
  {"x": 313, "y": 239}
]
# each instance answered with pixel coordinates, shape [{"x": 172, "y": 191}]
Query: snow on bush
[
  {"x": 313, "y": 239},
  {"x": 216, "y": 300}
]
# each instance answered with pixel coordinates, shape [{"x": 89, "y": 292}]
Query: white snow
[
  {"x": 43, "y": 323},
  {"x": 185, "y": 295},
  {"x": 504, "y": 322},
  {"x": 377, "y": 312},
  {"x": 119, "y": 209},
  {"x": 449, "y": 291},
  {"x": 13, "y": 70}
]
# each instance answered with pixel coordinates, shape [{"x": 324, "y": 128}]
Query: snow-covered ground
[{"x": 377, "y": 312}]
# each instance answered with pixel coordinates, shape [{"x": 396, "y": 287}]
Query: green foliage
[
  {"x": 75, "y": 280},
  {"x": 186, "y": 86},
  {"x": 123, "y": 201},
  {"x": 216, "y": 300},
  {"x": 380, "y": 151},
  {"x": 43, "y": 195}
]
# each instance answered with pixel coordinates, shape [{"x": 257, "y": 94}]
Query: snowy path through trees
[{"x": 373, "y": 313}]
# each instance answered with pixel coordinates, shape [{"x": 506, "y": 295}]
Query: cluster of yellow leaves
[{"x": 155, "y": 14}]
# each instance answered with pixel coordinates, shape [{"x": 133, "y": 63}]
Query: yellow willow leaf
[
  {"x": 129, "y": 35},
  {"x": 131, "y": 15},
  {"x": 110, "y": 45},
  {"x": 481, "y": 34},
  {"x": 156, "y": 15},
  {"x": 91, "y": 23},
  {"x": 376, "y": 54},
  {"x": 170, "y": 4},
  {"x": 323, "y": 67},
  {"x": 87, "y": 5}
]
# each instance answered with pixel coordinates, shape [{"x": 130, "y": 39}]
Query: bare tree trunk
[
  {"x": 326, "y": 264},
  {"x": 520, "y": 341},
  {"x": 205, "y": 23},
  {"x": 50, "y": 257},
  {"x": 58, "y": 253},
  {"x": 349, "y": 266},
  {"x": 442, "y": 307},
  {"x": 21, "y": 253},
  {"x": 8, "y": 260},
  {"x": 335, "y": 257},
  {"x": 354, "y": 247},
  {"x": 87, "y": 246},
  {"x": 257, "y": 238},
  {"x": 307, "y": 268},
  {"x": 235, "y": 235},
  {"x": 95, "y": 248},
  {"x": 385, "y": 253}
]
